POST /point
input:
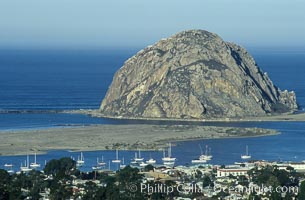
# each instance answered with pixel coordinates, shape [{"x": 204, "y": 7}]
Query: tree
[
  {"x": 129, "y": 175},
  {"x": 148, "y": 168},
  {"x": 61, "y": 168},
  {"x": 126, "y": 177},
  {"x": 301, "y": 194},
  {"x": 61, "y": 192},
  {"x": 4, "y": 182},
  {"x": 273, "y": 181},
  {"x": 90, "y": 190},
  {"x": 36, "y": 184},
  {"x": 207, "y": 182}
]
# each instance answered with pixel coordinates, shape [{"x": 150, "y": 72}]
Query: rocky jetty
[{"x": 194, "y": 75}]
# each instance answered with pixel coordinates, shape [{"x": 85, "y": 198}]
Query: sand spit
[{"x": 104, "y": 137}]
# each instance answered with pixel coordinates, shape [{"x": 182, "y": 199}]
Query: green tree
[
  {"x": 207, "y": 182},
  {"x": 4, "y": 184},
  {"x": 61, "y": 192},
  {"x": 148, "y": 168},
  {"x": 61, "y": 168},
  {"x": 273, "y": 181},
  {"x": 301, "y": 194},
  {"x": 36, "y": 184},
  {"x": 90, "y": 191},
  {"x": 127, "y": 177}
]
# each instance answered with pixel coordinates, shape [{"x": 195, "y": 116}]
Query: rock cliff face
[{"x": 193, "y": 75}]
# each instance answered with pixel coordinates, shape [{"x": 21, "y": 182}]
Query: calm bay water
[{"x": 33, "y": 83}]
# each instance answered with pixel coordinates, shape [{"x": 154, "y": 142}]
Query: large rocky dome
[{"x": 193, "y": 75}]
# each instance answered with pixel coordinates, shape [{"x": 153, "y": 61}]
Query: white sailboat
[
  {"x": 143, "y": 164},
  {"x": 133, "y": 161},
  {"x": 203, "y": 158},
  {"x": 11, "y": 171},
  {"x": 117, "y": 160},
  {"x": 35, "y": 164},
  {"x": 102, "y": 163},
  {"x": 8, "y": 165},
  {"x": 26, "y": 167},
  {"x": 80, "y": 160},
  {"x": 98, "y": 165},
  {"x": 207, "y": 156},
  {"x": 246, "y": 156},
  {"x": 199, "y": 161},
  {"x": 168, "y": 160},
  {"x": 139, "y": 159},
  {"x": 123, "y": 164},
  {"x": 151, "y": 161}
]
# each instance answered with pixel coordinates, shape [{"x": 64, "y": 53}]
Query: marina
[{"x": 224, "y": 151}]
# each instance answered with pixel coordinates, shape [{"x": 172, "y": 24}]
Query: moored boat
[{"x": 246, "y": 156}]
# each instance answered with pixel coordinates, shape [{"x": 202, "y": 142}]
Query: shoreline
[
  {"x": 111, "y": 137},
  {"x": 292, "y": 117}
]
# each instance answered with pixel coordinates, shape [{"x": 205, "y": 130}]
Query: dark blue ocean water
[{"x": 37, "y": 82}]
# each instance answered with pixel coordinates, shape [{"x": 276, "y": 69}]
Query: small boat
[
  {"x": 151, "y": 161},
  {"x": 99, "y": 164},
  {"x": 96, "y": 167},
  {"x": 203, "y": 158},
  {"x": 143, "y": 164},
  {"x": 102, "y": 163},
  {"x": 207, "y": 156},
  {"x": 35, "y": 164},
  {"x": 199, "y": 161},
  {"x": 139, "y": 159},
  {"x": 8, "y": 165},
  {"x": 168, "y": 158},
  {"x": 134, "y": 160},
  {"x": 117, "y": 158},
  {"x": 246, "y": 156},
  {"x": 122, "y": 166},
  {"x": 134, "y": 163},
  {"x": 80, "y": 160},
  {"x": 169, "y": 163},
  {"x": 26, "y": 167}
]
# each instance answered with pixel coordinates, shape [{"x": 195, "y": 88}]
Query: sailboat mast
[
  {"x": 200, "y": 149},
  {"x": 170, "y": 150},
  {"x": 206, "y": 150}
]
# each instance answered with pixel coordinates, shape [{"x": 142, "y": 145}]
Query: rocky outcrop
[{"x": 194, "y": 75}]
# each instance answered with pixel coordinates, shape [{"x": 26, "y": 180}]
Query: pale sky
[{"x": 137, "y": 23}]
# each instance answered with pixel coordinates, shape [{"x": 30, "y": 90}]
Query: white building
[
  {"x": 299, "y": 167},
  {"x": 233, "y": 171}
]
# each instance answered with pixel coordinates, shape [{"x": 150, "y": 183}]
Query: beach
[{"x": 109, "y": 137}]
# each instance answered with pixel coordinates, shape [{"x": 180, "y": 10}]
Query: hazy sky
[{"x": 124, "y": 23}]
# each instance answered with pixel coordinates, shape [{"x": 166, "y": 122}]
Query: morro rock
[{"x": 194, "y": 75}]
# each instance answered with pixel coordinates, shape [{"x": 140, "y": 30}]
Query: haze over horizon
[{"x": 136, "y": 23}]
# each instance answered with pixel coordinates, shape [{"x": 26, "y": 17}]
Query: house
[{"x": 232, "y": 171}]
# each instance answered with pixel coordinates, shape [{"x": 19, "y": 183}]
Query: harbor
[{"x": 238, "y": 180}]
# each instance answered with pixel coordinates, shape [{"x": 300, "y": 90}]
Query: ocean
[{"x": 35, "y": 84}]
